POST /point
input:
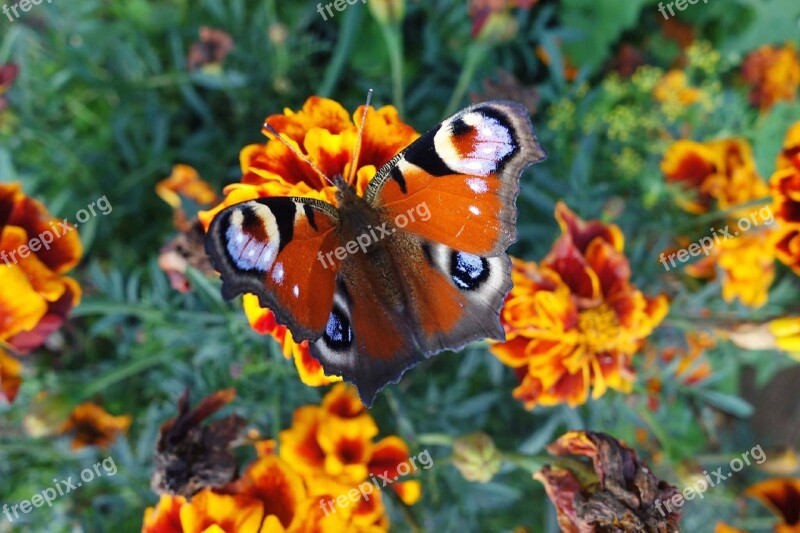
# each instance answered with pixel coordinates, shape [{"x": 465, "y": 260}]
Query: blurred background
[{"x": 143, "y": 109}]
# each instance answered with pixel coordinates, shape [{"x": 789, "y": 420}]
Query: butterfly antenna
[
  {"x": 357, "y": 150},
  {"x": 297, "y": 152}
]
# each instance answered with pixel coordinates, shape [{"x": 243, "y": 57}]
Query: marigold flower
[
  {"x": 790, "y": 154},
  {"x": 618, "y": 493},
  {"x": 185, "y": 181},
  {"x": 723, "y": 171},
  {"x": 332, "y": 447},
  {"x": 324, "y": 132},
  {"x": 785, "y": 186},
  {"x": 165, "y": 517},
  {"x": 35, "y": 297},
  {"x": 781, "y": 496},
  {"x": 574, "y": 322},
  {"x": 747, "y": 264},
  {"x": 228, "y": 512},
  {"x": 691, "y": 369},
  {"x": 774, "y": 74},
  {"x": 91, "y": 425}
]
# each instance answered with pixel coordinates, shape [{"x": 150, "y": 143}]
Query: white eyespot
[
  {"x": 474, "y": 210},
  {"x": 296, "y": 291}
]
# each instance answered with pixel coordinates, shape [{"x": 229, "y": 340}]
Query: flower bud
[{"x": 476, "y": 457}]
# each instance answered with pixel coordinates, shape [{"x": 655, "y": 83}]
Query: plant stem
[
  {"x": 394, "y": 45},
  {"x": 475, "y": 55}
]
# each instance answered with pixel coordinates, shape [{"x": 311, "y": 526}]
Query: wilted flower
[
  {"x": 476, "y": 457},
  {"x": 190, "y": 456},
  {"x": 621, "y": 494},
  {"x": 781, "y": 496},
  {"x": 323, "y": 456},
  {"x": 324, "y": 132},
  {"x": 774, "y": 74},
  {"x": 574, "y": 322},
  {"x": 91, "y": 425},
  {"x": 211, "y": 51}
]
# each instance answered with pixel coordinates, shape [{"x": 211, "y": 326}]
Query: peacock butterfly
[{"x": 438, "y": 282}]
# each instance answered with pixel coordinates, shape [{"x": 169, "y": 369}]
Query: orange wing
[
  {"x": 457, "y": 184},
  {"x": 281, "y": 250}
]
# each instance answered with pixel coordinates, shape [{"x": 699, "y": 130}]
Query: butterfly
[{"x": 416, "y": 266}]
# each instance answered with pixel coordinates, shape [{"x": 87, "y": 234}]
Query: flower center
[{"x": 601, "y": 329}]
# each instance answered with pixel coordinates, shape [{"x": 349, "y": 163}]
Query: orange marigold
[
  {"x": 574, "y": 321},
  {"x": 35, "y": 296},
  {"x": 326, "y": 134},
  {"x": 781, "y": 496},
  {"x": 723, "y": 171},
  {"x": 323, "y": 458},
  {"x": 785, "y": 186},
  {"x": 91, "y": 425},
  {"x": 774, "y": 74}
]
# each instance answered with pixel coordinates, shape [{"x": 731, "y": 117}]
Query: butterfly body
[{"x": 415, "y": 266}]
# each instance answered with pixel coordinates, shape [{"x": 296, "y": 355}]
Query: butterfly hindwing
[
  {"x": 271, "y": 247},
  {"x": 441, "y": 299},
  {"x": 465, "y": 174}
]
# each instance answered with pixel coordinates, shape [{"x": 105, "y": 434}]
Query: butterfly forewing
[{"x": 271, "y": 247}]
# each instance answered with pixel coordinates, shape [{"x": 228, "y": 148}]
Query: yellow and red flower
[
  {"x": 326, "y": 454},
  {"x": 773, "y": 73},
  {"x": 91, "y": 425},
  {"x": 35, "y": 296},
  {"x": 781, "y": 496},
  {"x": 334, "y": 443},
  {"x": 785, "y": 186},
  {"x": 575, "y": 321},
  {"x": 722, "y": 171},
  {"x": 324, "y": 132},
  {"x": 10, "y": 376}
]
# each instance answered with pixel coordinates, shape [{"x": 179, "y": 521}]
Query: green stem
[
  {"x": 344, "y": 46},
  {"x": 394, "y": 45},
  {"x": 475, "y": 55}
]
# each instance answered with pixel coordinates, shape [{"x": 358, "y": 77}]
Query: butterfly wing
[
  {"x": 276, "y": 248},
  {"x": 447, "y": 262},
  {"x": 457, "y": 184}
]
